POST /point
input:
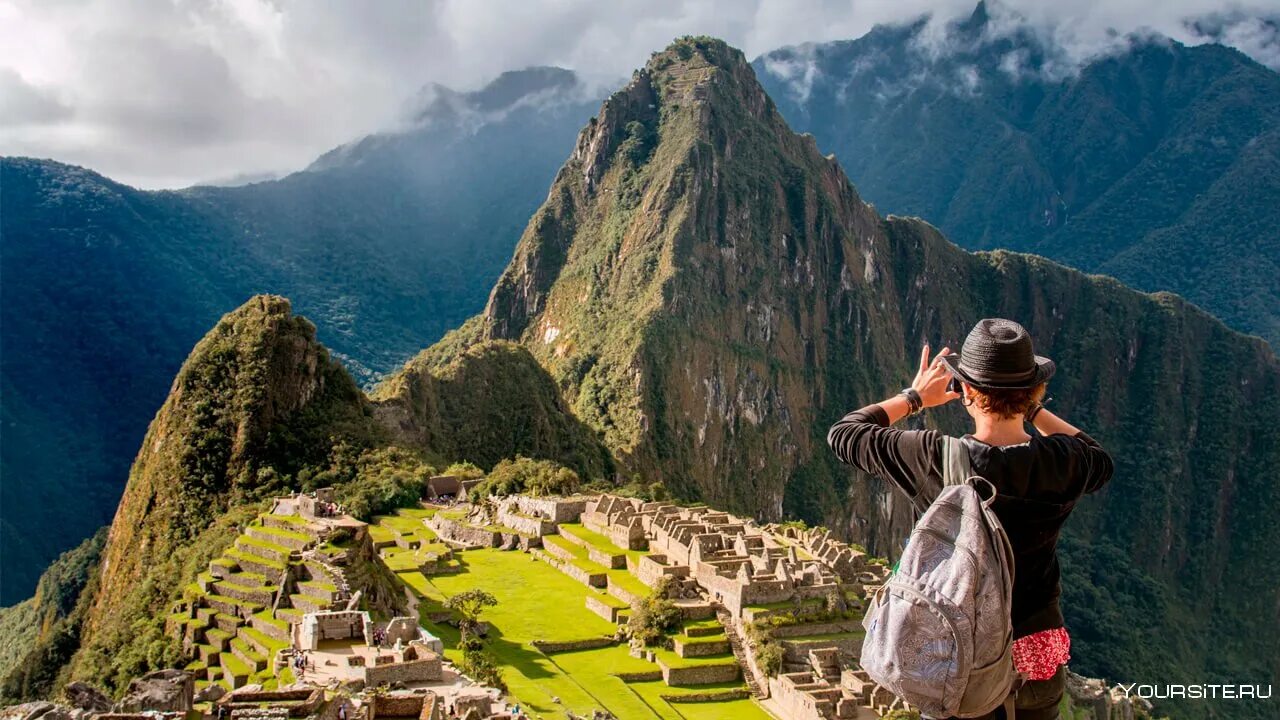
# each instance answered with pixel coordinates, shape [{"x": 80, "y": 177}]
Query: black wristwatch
[{"x": 914, "y": 403}]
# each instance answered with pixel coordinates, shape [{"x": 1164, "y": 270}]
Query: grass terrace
[
  {"x": 538, "y": 602},
  {"x": 241, "y": 583}
]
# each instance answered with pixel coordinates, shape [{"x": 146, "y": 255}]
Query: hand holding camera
[{"x": 934, "y": 383}]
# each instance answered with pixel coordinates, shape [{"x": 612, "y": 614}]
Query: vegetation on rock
[
  {"x": 39, "y": 635},
  {"x": 702, "y": 294},
  {"x": 653, "y": 617},
  {"x": 523, "y": 475},
  {"x": 712, "y": 304},
  {"x": 386, "y": 243}
]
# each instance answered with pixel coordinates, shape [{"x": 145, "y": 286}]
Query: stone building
[
  {"x": 340, "y": 625},
  {"x": 736, "y": 562}
]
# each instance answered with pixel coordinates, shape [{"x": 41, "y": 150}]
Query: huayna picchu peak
[{"x": 701, "y": 295}]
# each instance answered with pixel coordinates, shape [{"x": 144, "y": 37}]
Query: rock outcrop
[
  {"x": 258, "y": 399},
  {"x": 158, "y": 691},
  {"x": 86, "y": 697}
]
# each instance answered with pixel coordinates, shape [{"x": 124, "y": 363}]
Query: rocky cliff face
[
  {"x": 710, "y": 293},
  {"x": 683, "y": 281}
]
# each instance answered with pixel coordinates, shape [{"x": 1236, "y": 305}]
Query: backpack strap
[
  {"x": 955, "y": 471},
  {"x": 955, "y": 462}
]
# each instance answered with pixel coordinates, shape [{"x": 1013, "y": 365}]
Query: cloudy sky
[{"x": 166, "y": 93}]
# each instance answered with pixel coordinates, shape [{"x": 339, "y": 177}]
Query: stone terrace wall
[
  {"x": 548, "y": 646},
  {"x": 527, "y": 524},
  {"x": 463, "y": 534},
  {"x": 701, "y": 674},
  {"x": 850, "y": 647},
  {"x": 557, "y": 510},
  {"x": 828, "y": 628},
  {"x": 427, "y": 669}
]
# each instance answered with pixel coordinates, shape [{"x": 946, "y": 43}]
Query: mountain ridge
[
  {"x": 397, "y": 243},
  {"x": 1132, "y": 164},
  {"x": 701, "y": 295},
  {"x": 106, "y": 288},
  {"x": 713, "y": 302}
]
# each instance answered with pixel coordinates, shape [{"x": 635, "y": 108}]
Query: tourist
[
  {"x": 342, "y": 711},
  {"x": 1038, "y": 478}
]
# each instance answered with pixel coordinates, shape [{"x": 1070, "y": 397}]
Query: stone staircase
[
  {"x": 738, "y": 646},
  {"x": 241, "y": 611}
]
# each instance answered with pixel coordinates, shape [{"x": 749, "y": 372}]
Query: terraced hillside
[
  {"x": 239, "y": 614},
  {"x": 561, "y": 605}
]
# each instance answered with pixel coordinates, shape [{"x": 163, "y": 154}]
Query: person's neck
[{"x": 999, "y": 431}]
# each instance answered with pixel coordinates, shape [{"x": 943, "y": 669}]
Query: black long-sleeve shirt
[{"x": 1038, "y": 484}]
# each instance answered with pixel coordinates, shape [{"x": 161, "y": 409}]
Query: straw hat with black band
[{"x": 998, "y": 355}]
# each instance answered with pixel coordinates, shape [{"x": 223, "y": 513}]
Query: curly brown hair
[{"x": 1007, "y": 403}]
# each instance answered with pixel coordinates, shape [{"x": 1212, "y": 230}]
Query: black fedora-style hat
[{"x": 998, "y": 354}]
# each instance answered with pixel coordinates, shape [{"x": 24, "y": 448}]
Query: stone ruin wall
[
  {"x": 426, "y": 669},
  {"x": 463, "y": 534},
  {"x": 529, "y": 525},
  {"x": 650, "y": 568},
  {"x": 557, "y": 510},
  {"x": 341, "y": 625}
]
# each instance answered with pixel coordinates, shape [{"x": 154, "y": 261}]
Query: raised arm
[
  {"x": 864, "y": 438},
  {"x": 1098, "y": 464},
  {"x": 1049, "y": 424}
]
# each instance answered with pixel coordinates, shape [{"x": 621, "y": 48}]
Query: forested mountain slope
[
  {"x": 1158, "y": 164},
  {"x": 386, "y": 243},
  {"x": 711, "y": 293}
]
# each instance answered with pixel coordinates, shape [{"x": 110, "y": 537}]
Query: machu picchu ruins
[{"x": 311, "y": 613}]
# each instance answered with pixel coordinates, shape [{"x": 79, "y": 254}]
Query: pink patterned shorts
[{"x": 1037, "y": 656}]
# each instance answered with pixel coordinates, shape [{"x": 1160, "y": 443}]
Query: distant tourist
[{"x": 1038, "y": 478}]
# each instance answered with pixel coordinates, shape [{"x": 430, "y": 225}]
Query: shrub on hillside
[
  {"x": 769, "y": 657},
  {"x": 653, "y": 617},
  {"x": 464, "y": 471},
  {"x": 377, "y": 481},
  {"x": 525, "y": 475}
]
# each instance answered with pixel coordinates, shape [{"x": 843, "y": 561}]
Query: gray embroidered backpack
[{"x": 939, "y": 634}]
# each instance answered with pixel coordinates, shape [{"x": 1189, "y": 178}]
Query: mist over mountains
[
  {"x": 386, "y": 243},
  {"x": 390, "y": 240},
  {"x": 699, "y": 295},
  {"x": 1158, "y": 165}
]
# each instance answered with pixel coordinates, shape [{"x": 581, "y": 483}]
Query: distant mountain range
[
  {"x": 1158, "y": 165},
  {"x": 700, "y": 296},
  {"x": 385, "y": 243}
]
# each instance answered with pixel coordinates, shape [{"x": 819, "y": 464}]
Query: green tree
[
  {"x": 525, "y": 475},
  {"x": 654, "y": 616},
  {"x": 469, "y": 605},
  {"x": 476, "y": 663}
]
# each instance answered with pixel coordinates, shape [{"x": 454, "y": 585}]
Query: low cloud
[
  {"x": 24, "y": 104},
  {"x": 165, "y": 93}
]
